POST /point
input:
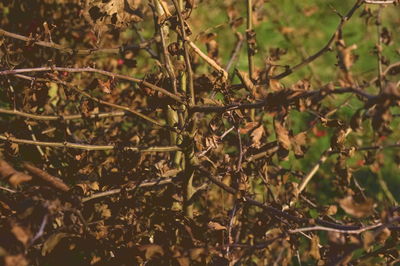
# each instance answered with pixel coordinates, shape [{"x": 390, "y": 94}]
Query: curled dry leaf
[
  {"x": 358, "y": 210},
  {"x": 52, "y": 242},
  {"x": 17, "y": 260},
  {"x": 256, "y": 136},
  {"x": 22, "y": 234},
  {"x": 152, "y": 251},
  {"x": 216, "y": 226},
  {"x": 15, "y": 178},
  {"x": 314, "y": 249}
]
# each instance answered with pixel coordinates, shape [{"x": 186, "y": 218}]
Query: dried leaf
[
  {"x": 282, "y": 135},
  {"x": 152, "y": 251},
  {"x": 52, "y": 242},
  {"x": 314, "y": 249},
  {"x": 249, "y": 126},
  {"x": 216, "y": 226},
  {"x": 356, "y": 209},
  {"x": 298, "y": 143},
  {"x": 256, "y": 136},
  {"x": 17, "y": 260},
  {"x": 22, "y": 234}
]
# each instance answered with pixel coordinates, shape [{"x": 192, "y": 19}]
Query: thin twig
[
  {"x": 209, "y": 60},
  {"x": 235, "y": 52},
  {"x": 384, "y": 73},
  {"x": 49, "y": 179},
  {"x": 314, "y": 170},
  {"x": 323, "y": 228},
  {"x": 185, "y": 53},
  {"x": 7, "y": 189},
  {"x": 61, "y": 117},
  {"x": 148, "y": 183},
  {"x": 116, "y": 50},
  {"x": 271, "y": 210},
  {"x": 379, "y": 49},
  {"x": 249, "y": 32},
  {"x": 93, "y": 70},
  {"x": 89, "y": 147},
  {"x": 264, "y": 102},
  {"x": 324, "y": 49},
  {"x": 379, "y": 2}
]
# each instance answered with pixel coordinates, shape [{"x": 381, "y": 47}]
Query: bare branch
[
  {"x": 61, "y": 117},
  {"x": 89, "y": 147},
  {"x": 93, "y": 70},
  {"x": 146, "y": 183},
  {"x": 324, "y": 49},
  {"x": 209, "y": 60},
  {"x": 323, "y": 228},
  {"x": 63, "y": 49}
]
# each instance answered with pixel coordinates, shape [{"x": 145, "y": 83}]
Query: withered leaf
[
  {"x": 282, "y": 134},
  {"x": 314, "y": 249},
  {"x": 22, "y": 234},
  {"x": 256, "y": 136},
  {"x": 52, "y": 242},
  {"x": 216, "y": 226},
  {"x": 152, "y": 251},
  {"x": 17, "y": 260},
  {"x": 248, "y": 127},
  {"x": 356, "y": 209},
  {"x": 298, "y": 143}
]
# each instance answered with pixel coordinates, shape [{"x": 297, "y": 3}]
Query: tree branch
[
  {"x": 93, "y": 70},
  {"x": 89, "y": 147},
  {"x": 63, "y": 49},
  {"x": 324, "y": 49}
]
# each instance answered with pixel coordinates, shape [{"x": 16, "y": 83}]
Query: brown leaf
[
  {"x": 368, "y": 239},
  {"x": 17, "y": 260},
  {"x": 356, "y": 209},
  {"x": 216, "y": 226},
  {"x": 256, "y": 136},
  {"x": 152, "y": 251},
  {"x": 22, "y": 234},
  {"x": 52, "y": 242},
  {"x": 298, "y": 142},
  {"x": 331, "y": 210},
  {"x": 249, "y": 126},
  {"x": 282, "y": 135},
  {"x": 314, "y": 249},
  {"x": 383, "y": 235},
  {"x": 15, "y": 178}
]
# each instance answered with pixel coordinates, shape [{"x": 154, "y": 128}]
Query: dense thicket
[{"x": 199, "y": 132}]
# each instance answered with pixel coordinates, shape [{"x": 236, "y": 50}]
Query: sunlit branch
[
  {"x": 89, "y": 147},
  {"x": 61, "y": 117}
]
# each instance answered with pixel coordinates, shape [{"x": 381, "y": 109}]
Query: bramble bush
[{"x": 199, "y": 132}]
